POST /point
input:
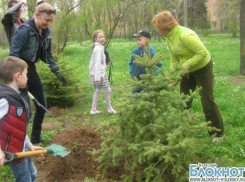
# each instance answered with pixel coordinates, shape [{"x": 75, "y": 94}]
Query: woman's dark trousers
[
  {"x": 35, "y": 87},
  {"x": 204, "y": 78}
]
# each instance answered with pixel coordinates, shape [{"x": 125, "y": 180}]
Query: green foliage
[
  {"x": 3, "y": 53},
  {"x": 89, "y": 180},
  {"x": 154, "y": 136},
  {"x": 205, "y": 32},
  {"x": 6, "y": 174},
  {"x": 229, "y": 12},
  {"x": 75, "y": 147},
  {"x": 197, "y": 14},
  {"x": 64, "y": 29},
  {"x": 56, "y": 94}
]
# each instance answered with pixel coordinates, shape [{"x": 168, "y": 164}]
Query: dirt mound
[{"x": 78, "y": 164}]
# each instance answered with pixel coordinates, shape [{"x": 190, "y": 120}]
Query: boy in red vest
[{"x": 14, "y": 118}]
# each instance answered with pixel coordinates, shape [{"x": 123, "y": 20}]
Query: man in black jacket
[{"x": 11, "y": 20}]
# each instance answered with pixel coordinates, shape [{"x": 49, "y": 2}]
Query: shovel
[
  {"x": 35, "y": 100},
  {"x": 54, "y": 149}
]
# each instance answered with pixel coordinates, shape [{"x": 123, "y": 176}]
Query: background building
[{"x": 213, "y": 14}]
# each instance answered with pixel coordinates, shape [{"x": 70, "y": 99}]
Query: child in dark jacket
[
  {"x": 14, "y": 118},
  {"x": 142, "y": 37}
]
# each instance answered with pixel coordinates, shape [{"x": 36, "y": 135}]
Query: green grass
[
  {"x": 229, "y": 96},
  {"x": 3, "y": 53}
]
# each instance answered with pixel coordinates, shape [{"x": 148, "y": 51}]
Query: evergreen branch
[
  {"x": 164, "y": 169},
  {"x": 137, "y": 57},
  {"x": 156, "y": 58},
  {"x": 148, "y": 52},
  {"x": 155, "y": 163},
  {"x": 140, "y": 63}
]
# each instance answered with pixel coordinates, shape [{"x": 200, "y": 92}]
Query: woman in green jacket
[{"x": 186, "y": 48}]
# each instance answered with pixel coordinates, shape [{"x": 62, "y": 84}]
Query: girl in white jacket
[{"x": 97, "y": 70}]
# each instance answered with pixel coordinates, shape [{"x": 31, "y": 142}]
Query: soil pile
[{"x": 78, "y": 164}]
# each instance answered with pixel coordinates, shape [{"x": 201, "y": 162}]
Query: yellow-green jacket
[{"x": 186, "y": 48}]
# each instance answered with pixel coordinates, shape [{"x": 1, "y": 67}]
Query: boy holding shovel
[{"x": 14, "y": 118}]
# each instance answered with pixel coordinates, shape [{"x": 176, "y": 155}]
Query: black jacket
[
  {"x": 30, "y": 46},
  {"x": 10, "y": 23}
]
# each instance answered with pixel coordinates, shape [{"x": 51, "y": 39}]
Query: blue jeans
[{"x": 24, "y": 171}]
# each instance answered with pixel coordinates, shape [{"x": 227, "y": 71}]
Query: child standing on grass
[
  {"x": 14, "y": 118},
  {"x": 97, "y": 70},
  {"x": 142, "y": 37}
]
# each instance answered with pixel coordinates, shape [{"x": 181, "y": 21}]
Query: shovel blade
[{"x": 58, "y": 150}]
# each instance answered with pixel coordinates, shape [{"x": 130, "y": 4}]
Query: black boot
[{"x": 38, "y": 140}]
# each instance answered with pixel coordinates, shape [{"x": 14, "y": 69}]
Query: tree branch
[{"x": 72, "y": 8}]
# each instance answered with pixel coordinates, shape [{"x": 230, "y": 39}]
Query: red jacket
[{"x": 13, "y": 124}]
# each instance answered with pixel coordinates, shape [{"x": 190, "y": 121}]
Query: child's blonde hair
[
  {"x": 9, "y": 66},
  {"x": 95, "y": 34}
]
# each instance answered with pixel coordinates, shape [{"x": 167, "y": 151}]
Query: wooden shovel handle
[
  {"x": 30, "y": 153},
  {"x": 31, "y": 96}
]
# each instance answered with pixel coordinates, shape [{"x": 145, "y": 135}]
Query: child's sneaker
[
  {"x": 95, "y": 112},
  {"x": 112, "y": 111}
]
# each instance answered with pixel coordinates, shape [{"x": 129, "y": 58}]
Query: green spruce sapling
[
  {"x": 154, "y": 137},
  {"x": 56, "y": 94}
]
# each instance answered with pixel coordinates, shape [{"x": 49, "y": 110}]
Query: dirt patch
[
  {"x": 78, "y": 164},
  {"x": 238, "y": 79},
  {"x": 55, "y": 111},
  {"x": 50, "y": 126}
]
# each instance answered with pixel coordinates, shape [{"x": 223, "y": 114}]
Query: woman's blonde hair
[
  {"x": 164, "y": 20},
  {"x": 43, "y": 6}
]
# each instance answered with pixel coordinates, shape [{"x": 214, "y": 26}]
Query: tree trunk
[
  {"x": 234, "y": 34},
  {"x": 185, "y": 14},
  {"x": 124, "y": 29},
  {"x": 242, "y": 38}
]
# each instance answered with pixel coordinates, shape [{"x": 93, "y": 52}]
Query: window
[
  {"x": 214, "y": 5},
  {"x": 214, "y": 14}
]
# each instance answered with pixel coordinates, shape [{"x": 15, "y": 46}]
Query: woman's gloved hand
[{"x": 61, "y": 78}]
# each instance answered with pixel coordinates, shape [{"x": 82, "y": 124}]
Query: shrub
[
  {"x": 205, "y": 32},
  {"x": 56, "y": 94}
]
